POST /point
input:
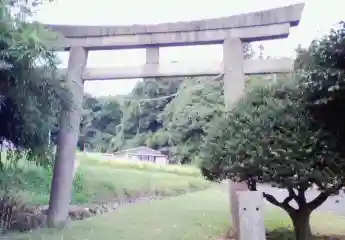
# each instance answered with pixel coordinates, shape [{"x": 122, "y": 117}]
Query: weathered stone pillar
[
  {"x": 251, "y": 215},
  {"x": 152, "y": 55},
  {"x": 60, "y": 196},
  {"x": 233, "y": 58}
]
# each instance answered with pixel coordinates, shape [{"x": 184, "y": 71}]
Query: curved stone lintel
[
  {"x": 246, "y": 34},
  {"x": 288, "y": 14}
]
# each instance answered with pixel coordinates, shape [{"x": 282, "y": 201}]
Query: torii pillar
[
  {"x": 233, "y": 59},
  {"x": 61, "y": 190},
  {"x": 152, "y": 57}
]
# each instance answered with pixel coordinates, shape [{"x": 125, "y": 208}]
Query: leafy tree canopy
[
  {"x": 187, "y": 116},
  {"x": 322, "y": 67},
  {"x": 30, "y": 88},
  {"x": 100, "y": 120}
]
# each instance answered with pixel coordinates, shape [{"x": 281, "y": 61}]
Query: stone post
[
  {"x": 251, "y": 215},
  {"x": 152, "y": 55},
  {"x": 60, "y": 196},
  {"x": 233, "y": 58}
]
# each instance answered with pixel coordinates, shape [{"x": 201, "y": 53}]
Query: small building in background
[{"x": 141, "y": 154}]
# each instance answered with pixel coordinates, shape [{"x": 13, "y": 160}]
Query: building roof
[{"x": 143, "y": 151}]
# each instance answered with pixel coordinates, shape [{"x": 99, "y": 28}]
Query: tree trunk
[
  {"x": 301, "y": 216},
  {"x": 300, "y": 220},
  {"x": 61, "y": 189}
]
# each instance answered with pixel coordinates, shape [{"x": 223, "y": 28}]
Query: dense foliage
[
  {"x": 323, "y": 70},
  {"x": 100, "y": 119},
  {"x": 29, "y": 87}
]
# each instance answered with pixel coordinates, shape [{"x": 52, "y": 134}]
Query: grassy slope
[
  {"x": 99, "y": 181},
  {"x": 97, "y": 158},
  {"x": 104, "y": 182},
  {"x": 202, "y": 215}
]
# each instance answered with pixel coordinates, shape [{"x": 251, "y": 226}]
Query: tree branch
[
  {"x": 284, "y": 205},
  {"x": 292, "y": 196},
  {"x": 251, "y": 183},
  {"x": 301, "y": 200},
  {"x": 322, "y": 197}
]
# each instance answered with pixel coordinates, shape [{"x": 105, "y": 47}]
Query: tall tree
[
  {"x": 188, "y": 115},
  {"x": 141, "y": 111},
  {"x": 322, "y": 66},
  {"x": 100, "y": 119},
  {"x": 87, "y": 130},
  {"x": 32, "y": 93}
]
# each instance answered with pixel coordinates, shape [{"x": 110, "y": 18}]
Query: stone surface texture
[{"x": 249, "y": 27}]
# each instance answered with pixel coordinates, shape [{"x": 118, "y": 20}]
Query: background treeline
[
  {"x": 170, "y": 115},
  {"x": 174, "y": 125}
]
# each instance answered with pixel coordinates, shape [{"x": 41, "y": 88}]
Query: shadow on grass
[{"x": 287, "y": 234}]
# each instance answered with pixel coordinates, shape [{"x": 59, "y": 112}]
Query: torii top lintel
[{"x": 255, "y": 26}]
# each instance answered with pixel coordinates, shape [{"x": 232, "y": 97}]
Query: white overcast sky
[{"x": 318, "y": 17}]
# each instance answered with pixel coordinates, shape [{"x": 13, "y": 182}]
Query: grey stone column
[
  {"x": 60, "y": 196},
  {"x": 152, "y": 55},
  {"x": 233, "y": 59},
  {"x": 152, "y": 59}
]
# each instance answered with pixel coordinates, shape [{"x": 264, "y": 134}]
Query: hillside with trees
[
  {"x": 168, "y": 114},
  {"x": 171, "y": 115}
]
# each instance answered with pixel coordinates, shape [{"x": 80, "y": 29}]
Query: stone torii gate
[{"x": 231, "y": 31}]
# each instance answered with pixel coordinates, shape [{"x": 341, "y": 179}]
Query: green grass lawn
[
  {"x": 194, "y": 216},
  {"x": 101, "y": 181}
]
